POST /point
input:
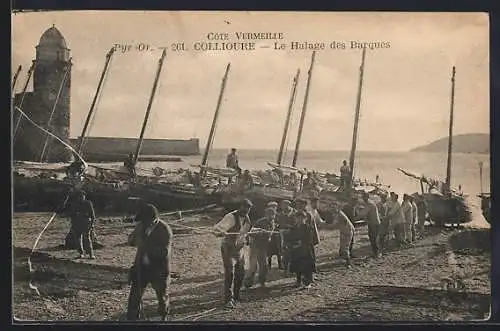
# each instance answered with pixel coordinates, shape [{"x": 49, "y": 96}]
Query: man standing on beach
[
  {"x": 82, "y": 214},
  {"x": 315, "y": 218},
  {"x": 373, "y": 220},
  {"x": 414, "y": 221},
  {"x": 130, "y": 165},
  {"x": 395, "y": 214},
  {"x": 421, "y": 213},
  {"x": 385, "y": 223},
  {"x": 153, "y": 239},
  {"x": 285, "y": 223},
  {"x": 301, "y": 239},
  {"x": 232, "y": 162},
  {"x": 260, "y": 238},
  {"x": 346, "y": 235},
  {"x": 345, "y": 175},
  {"x": 408, "y": 216},
  {"x": 234, "y": 228}
]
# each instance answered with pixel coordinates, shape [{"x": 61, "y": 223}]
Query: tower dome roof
[{"x": 52, "y": 37}]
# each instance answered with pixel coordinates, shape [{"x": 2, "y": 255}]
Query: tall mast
[
  {"x": 63, "y": 81},
  {"x": 23, "y": 94},
  {"x": 94, "y": 101},
  {"x": 148, "y": 110},
  {"x": 15, "y": 78},
  {"x": 450, "y": 133},
  {"x": 481, "y": 176},
  {"x": 288, "y": 116},
  {"x": 356, "y": 116},
  {"x": 216, "y": 115},
  {"x": 304, "y": 109}
]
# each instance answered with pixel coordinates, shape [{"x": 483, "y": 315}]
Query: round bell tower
[{"x": 52, "y": 77}]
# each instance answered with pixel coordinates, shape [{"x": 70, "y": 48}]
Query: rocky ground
[{"x": 404, "y": 285}]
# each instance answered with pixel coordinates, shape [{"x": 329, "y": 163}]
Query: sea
[{"x": 368, "y": 164}]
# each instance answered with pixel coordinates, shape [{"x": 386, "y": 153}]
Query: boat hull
[
  {"x": 486, "y": 206},
  {"x": 171, "y": 198},
  {"x": 447, "y": 210}
]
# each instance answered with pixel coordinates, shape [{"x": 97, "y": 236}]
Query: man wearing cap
[
  {"x": 385, "y": 223},
  {"x": 153, "y": 239},
  {"x": 349, "y": 211},
  {"x": 285, "y": 223},
  {"x": 414, "y": 222},
  {"x": 301, "y": 238},
  {"x": 408, "y": 216},
  {"x": 275, "y": 245},
  {"x": 309, "y": 182},
  {"x": 234, "y": 228},
  {"x": 232, "y": 161},
  {"x": 373, "y": 220},
  {"x": 316, "y": 218},
  {"x": 345, "y": 175},
  {"x": 395, "y": 214},
  {"x": 82, "y": 215},
  {"x": 260, "y": 239},
  {"x": 346, "y": 234}
]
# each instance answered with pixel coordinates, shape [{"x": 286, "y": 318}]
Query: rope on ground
[{"x": 197, "y": 315}]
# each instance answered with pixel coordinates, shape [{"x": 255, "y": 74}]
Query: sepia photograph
[{"x": 189, "y": 166}]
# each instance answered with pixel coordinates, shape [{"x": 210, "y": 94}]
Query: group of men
[
  {"x": 292, "y": 234},
  {"x": 289, "y": 233},
  {"x": 390, "y": 218}
]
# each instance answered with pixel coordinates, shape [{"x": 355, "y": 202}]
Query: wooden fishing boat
[
  {"x": 328, "y": 185},
  {"x": 445, "y": 204},
  {"x": 443, "y": 207}
]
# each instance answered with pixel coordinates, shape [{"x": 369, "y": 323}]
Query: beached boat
[
  {"x": 445, "y": 204},
  {"x": 285, "y": 182}
]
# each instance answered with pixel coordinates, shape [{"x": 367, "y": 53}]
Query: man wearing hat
[
  {"x": 275, "y": 245},
  {"x": 385, "y": 223},
  {"x": 260, "y": 241},
  {"x": 408, "y": 217},
  {"x": 285, "y": 223},
  {"x": 316, "y": 218},
  {"x": 82, "y": 215},
  {"x": 395, "y": 214},
  {"x": 234, "y": 228},
  {"x": 232, "y": 162},
  {"x": 346, "y": 234},
  {"x": 153, "y": 239},
  {"x": 373, "y": 220},
  {"x": 301, "y": 238}
]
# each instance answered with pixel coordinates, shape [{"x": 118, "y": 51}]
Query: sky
[{"x": 405, "y": 98}]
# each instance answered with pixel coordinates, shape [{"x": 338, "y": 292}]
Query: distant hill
[{"x": 464, "y": 143}]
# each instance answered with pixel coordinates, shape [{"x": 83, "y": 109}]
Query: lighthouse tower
[{"x": 49, "y": 103}]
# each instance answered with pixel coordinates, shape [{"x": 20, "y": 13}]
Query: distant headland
[{"x": 464, "y": 143}]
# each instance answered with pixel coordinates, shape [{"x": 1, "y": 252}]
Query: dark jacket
[
  {"x": 82, "y": 215},
  {"x": 157, "y": 246}
]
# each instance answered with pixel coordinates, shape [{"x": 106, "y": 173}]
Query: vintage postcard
[{"x": 250, "y": 166}]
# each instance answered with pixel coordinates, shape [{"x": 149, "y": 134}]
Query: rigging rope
[
  {"x": 63, "y": 82},
  {"x": 52, "y": 135}
]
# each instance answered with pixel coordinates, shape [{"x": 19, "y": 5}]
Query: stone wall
[{"x": 124, "y": 146}]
